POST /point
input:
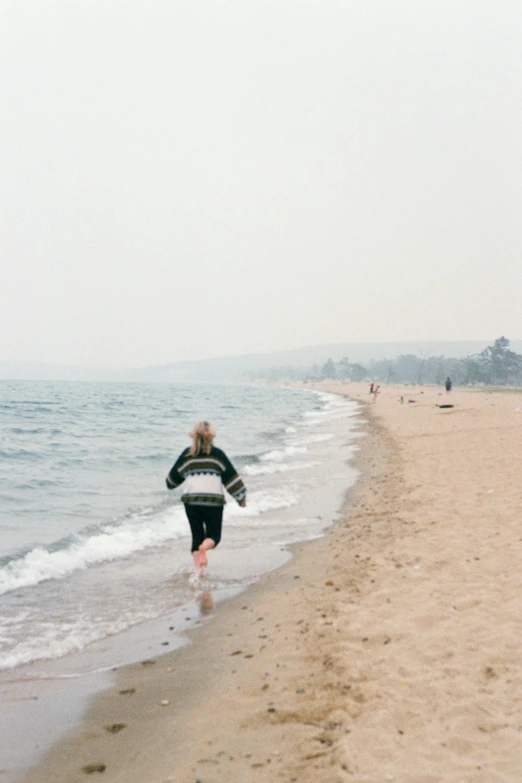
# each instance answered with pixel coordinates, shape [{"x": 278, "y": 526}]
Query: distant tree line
[{"x": 495, "y": 365}]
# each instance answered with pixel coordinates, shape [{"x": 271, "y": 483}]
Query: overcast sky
[{"x": 194, "y": 178}]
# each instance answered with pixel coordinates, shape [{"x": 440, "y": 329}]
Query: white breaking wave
[
  {"x": 276, "y": 461},
  {"x": 53, "y": 642},
  {"x": 39, "y": 564},
  {"x": 280, "y": 454},
  {"x": 281, "y": 467},
  {"x": 260, "y": 502}
]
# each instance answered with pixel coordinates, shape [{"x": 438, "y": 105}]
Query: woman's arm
[
  {"x": 232, "y": 482},
  {"x": 174, "y": 479}
]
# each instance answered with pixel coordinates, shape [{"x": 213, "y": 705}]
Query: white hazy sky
[{"x": 194, "y": 178}]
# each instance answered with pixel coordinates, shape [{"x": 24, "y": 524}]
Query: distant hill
[{"x": 237, "y": 368}]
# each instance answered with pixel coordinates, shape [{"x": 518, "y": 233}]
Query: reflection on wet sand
[{"x": 206, "y": 603}]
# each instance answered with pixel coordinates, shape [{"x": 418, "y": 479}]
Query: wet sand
[{"x": 388, "y": 650}]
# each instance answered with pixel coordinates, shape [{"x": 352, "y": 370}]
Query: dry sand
[{"x": 386, "y": 651}]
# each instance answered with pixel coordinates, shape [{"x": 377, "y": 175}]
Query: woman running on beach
[{"x": 206, "y": 470}]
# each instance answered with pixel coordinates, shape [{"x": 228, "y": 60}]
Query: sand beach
[{"x": 387, "y": 650}]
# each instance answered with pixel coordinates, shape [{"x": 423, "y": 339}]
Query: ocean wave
[
  {"x": 37, "y": 408},
  {"x": 39, "y": 403},
  {"x": 42, "y": 564},
  {"x": 37, "y": 482},
  {"x": 327, "y": 417},
  {"x": 260, "y": 502},
  {"x": 19, "y": 454},
  {"x": 278, "y": 455},
  {"x": 53, "y": 642},
  {"x": 281, "y": 467},
  {"x": 245, "y": 459},
  {"x": 316, "y": 414},
  {"x": 276, "y": 461},
  {"x": 158, "y": 456},
  {"x": 309, "y": 439},
  {"x": 272, "y": 434},
  {"x": 34, "y": 431}
]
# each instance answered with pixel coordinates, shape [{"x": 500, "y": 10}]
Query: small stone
[
  {"x": 165, "y": 703},
  {"x": 90, "y": 768}
]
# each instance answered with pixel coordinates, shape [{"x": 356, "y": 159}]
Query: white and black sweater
[{"x": 205, "y": 475}]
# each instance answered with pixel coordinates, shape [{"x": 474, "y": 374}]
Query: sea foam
[{"x": 41, "y": 564}]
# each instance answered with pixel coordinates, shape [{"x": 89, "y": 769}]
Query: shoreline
[
  {"x": 51, "y": 696},
  {"x": 386, "y": 649},
  {"x": 138, "y": 689}
]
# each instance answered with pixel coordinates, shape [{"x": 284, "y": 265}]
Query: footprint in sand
[
  {"x": 114, "y": 728},
  {"x": 90, "y": 768}
]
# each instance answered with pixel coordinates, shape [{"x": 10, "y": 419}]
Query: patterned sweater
[{"x": 204, "y": 477}]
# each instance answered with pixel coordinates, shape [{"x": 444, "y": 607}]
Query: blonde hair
[{"x": 203, "y": 433}]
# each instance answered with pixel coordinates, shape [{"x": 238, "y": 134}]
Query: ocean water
[{"x": 92, "y": 545}]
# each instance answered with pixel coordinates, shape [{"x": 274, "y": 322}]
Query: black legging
[{"x": 205, "y": 522}]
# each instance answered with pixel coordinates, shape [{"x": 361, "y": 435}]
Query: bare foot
[
  {"x": 203, "y": 560},
  {"x": 197, "y": 562}
]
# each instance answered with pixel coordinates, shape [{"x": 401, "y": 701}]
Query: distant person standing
[
  {"x": 448, "y": 384},
  {"x": 371, "y": 387},
  {"x": 207, "y": 471}
]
